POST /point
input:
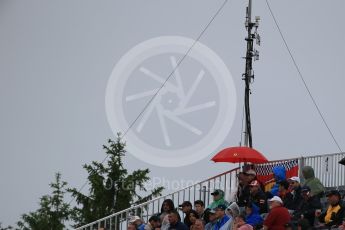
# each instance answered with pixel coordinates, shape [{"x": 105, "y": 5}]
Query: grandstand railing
[{"x": 326, "y": 168}]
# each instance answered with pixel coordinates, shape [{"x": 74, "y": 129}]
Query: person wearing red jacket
[{"x": 278, "y": 215}]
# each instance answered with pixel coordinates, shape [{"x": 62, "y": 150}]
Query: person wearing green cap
[{"x": 218, "y": 199}]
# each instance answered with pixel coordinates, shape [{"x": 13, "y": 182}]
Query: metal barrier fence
[
  {"x": 326, "y": 168},
  {"x": 226, "y": 181}
]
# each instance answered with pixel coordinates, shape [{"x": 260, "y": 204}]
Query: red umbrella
[{"x": 239, "y": 154}]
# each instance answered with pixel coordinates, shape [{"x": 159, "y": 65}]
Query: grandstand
[{"x": 326, "y": 168}]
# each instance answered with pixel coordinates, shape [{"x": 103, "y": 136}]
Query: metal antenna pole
[{"x": 248, "y": 76}]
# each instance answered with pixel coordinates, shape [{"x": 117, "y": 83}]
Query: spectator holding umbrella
[{"x": 243, "y": 190}]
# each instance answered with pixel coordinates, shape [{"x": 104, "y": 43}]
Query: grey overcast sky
[{"x": 56, "y": 58}]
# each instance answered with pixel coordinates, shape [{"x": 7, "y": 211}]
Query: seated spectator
[
  {"x": 136, "y": 220},
  {"x": 212, "y": 220},
  {"x": 253, "y": 216},
  {"x": 186, "y": 207},
  {"x": 289, "y": 226},
  {"x": 295, "y": 189},
  {"x": 314, "y": 183},
  {"x": 303, "y": 224},
  {"x": 218, "y": 199},
  {"x": 308, "y": 206},
  {"x": 167, "y": 207},
  {"x": 258, "y": 197},
  {"x": 199, "y": 207},
  {"x": 279, "y": 175},
  {"x": 285, "y": 195},
  {"x": 342, "y": 227},
  {"x": 174, "y": 221},
  {"x": 199, "y": 225},
  {"x": 223, "y": 221},
  {"x": 190, "y": 218},
  {"x": 240, "y": 223},
  {"x": 131, "y": 226},
  {"x": 335, "y": 213},
  {"x": 233, "y": 210},
  {"x": 243, "y": 190},
  {"x": 154, "y": 222},
  {"x": 278, "y": 215},
  {"x": 250, "y": 175}
]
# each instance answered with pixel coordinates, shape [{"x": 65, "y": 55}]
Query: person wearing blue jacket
[
  {"x": 279, "y": 174},
  {"x": 253, "y": 216},
  {"x": 224, "y": 221}
]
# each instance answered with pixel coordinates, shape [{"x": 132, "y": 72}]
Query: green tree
[
  {"x": 53, "y": 211},
  {"x": 112, "y": 187},
  {"x": 5, "y": 228}
]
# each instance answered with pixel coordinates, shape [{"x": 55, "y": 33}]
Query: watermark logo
[{"x": 188, "y": 118}]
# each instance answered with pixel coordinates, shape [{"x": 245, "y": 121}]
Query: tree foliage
[
  {"x": 5, "y": 228},
  {"x": 111, "y": 187},
  {"x": 53, "y": 211}
]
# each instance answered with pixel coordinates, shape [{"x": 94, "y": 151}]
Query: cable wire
[
  {"x": 301, "y": 77},
  {"x": 166, "y": 80},
  {"x": 175, "y": 68}
]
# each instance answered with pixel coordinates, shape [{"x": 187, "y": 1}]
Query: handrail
[
  {"x": 155, "y": 199},
  {"x": 323, "y": 155}
]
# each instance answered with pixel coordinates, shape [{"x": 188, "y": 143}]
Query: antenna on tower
[{"x": 248, "y": 77}]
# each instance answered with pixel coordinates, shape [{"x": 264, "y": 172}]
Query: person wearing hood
[
  {"x": 232, "y": 211},
  {"x": 279, "y": 174},
  {"x": 253, "y": 216},
  {"x": 218, "y": 199},
  {"x": 312, "y": 182}
]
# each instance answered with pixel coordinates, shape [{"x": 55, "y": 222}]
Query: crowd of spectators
[{"x": 290, "y": 204}]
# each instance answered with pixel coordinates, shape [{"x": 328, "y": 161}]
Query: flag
[{"x": 265, "y": 175}]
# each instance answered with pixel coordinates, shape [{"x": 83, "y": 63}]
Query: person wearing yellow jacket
[{"x": 335, "y": 213}]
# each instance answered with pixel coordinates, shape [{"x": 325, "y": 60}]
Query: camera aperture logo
[{"x": 188, "y": 118}]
